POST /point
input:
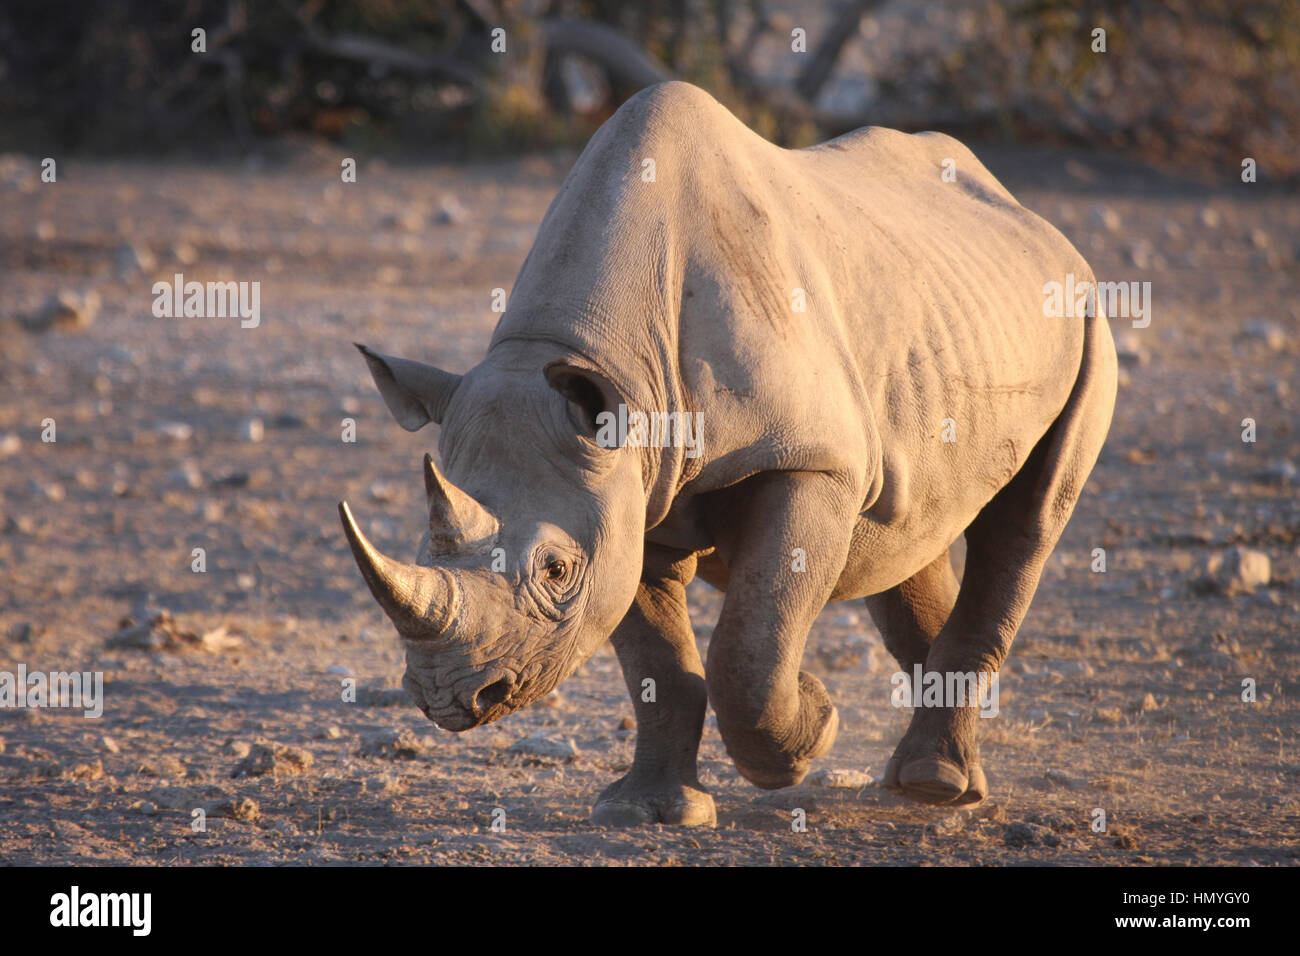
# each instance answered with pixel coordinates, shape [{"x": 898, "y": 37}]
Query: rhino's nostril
[{"x": 494, "y": 693}]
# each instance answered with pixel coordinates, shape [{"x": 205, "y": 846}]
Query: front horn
[{"x": 422, "y": 602}]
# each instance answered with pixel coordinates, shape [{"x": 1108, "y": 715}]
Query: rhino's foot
[
  {"x": 939, "y": 769},
  {"x": 629, "y": 803},
  {"x": 777, "y": 769}
]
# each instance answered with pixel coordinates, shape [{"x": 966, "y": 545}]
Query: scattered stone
[
  {"x": 109, "y": 744},
  {"x": 1125, "y": 837},
  {"x": 1021, "y": 834},
  {"x": 1146, "y": 704},
  {"x": 844, "y": 654},
  {"x": 251, "y": 430},
  {"x": 627, "y": 723},
  {"x": 1065, "y": 781},
  {"x": 836, "y": 779},
  {"x": 332, "y": 732},
  {"x": 541, "y": 748},
  {"x": 275, "y": 759},
  {"x": 1281, "y": 472},
  {"x": 1106, "y": 218},
  {"x": 21, "y": 633},
  {"x": 10, "y": 444},
  {"x": 847, "y": 619},
  {"x": 147, "y": 807},
  {"x": 1272, "y": 334},
  {"x": 185, "y": 253},
  {"x": 392, "y": 744},
  {"x": 1130, "y": 351},
  {"x": 1239, "y": 570},
  {"x": 449, "y": 212},
  {"x": 65, "y": 310},
  {"x": 132, "y": 258},
  {"x": 338, "y": 669},
  {"x": 236, "y": 748},
  {"x": 162, "y": 766},
  {"x": 1209, "y": 217},
  {"x": 376, "y": 695},
  {"x": 244, "y": 809},
  {"x": 88, "y": 771},
  {"x": 383, "y": 491},
  {"x": 1109, "y": 715},
  {"x": 186, "y": 475},
  {"x": 553, "y": 701}
]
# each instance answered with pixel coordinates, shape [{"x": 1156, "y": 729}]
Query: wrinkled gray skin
[{"x": 823, "y": 475}]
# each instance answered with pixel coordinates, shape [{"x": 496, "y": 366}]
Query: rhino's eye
[{"x": 556, "y": 569}]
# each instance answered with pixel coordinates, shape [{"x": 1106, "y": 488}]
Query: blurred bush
[{"x": 1193, "y": 83}]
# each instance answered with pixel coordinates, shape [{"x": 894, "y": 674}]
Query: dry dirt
[{"x": 1124, "y": 691}]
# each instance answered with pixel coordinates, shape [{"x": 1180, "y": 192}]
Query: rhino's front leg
[
  {"x": 784, "y": 537},
  {"x": 655, "y": 643}
]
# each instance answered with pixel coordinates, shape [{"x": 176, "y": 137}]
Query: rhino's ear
[
  {"x": 589, "y": 393},
  {"x": 415, "y": 393}
]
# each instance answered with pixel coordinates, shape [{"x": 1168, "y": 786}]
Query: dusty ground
[{"x": 115, "y": 506}]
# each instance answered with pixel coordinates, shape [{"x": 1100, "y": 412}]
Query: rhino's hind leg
[
  {"x": 1007, "y": 545},
  {"x": 910, "y": 615},
  {"x": 655, "y": 642}
]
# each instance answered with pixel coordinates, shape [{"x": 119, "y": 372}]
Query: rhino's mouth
[{"x": 469, "y": 701}]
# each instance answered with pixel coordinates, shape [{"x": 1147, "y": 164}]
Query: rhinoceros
[{"x": 798, "y": 374}]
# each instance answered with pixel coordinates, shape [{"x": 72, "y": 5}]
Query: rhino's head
[{"x": 533, "y": 548}]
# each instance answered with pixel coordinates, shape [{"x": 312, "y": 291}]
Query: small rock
[
  {"x": 251, "y": 430},
  {"x": 1106, "y": 218},
  {"x": 376, "y": 695},
  {"x": 332, "y": 732},
  {"x": 1239, "y": 570},
  {"x": 391, "y": 745},
  {"x": 847, "y": 619},
  {"x": 147, "y": 807},
  {"x": 1065, "y": 781},
  {"x": 162, "y": 766},
  {"x": 541, "y": 747},
  {"x": 244, "y": 809},
  {"x": 1273, "y": 335},
  {"x": 1280, "y": 472},
  {"x": 236, "y": 748},
  {"x": 88, "y": 771},
  {"x": 627, "y": 723},
  {"x": 186, "y": 475},
  {"x": 66, "y": 310},
  {"x": 265, "y": 758},
  {"x": 449, "y": 212},
  {"x": 1130, "y": 351},
  {"x": 185, "y": 253},
  {"x": 1021, "y": 834},
  {"x": 132, "y": 258},
  {"x": 1146, "y": 704},
  {"x": 1209, "y": 217},
  {"x": 383, "y": 491},
  {"x": 9, "y": 444},
  {"x": 109, "y": 744},
  {"x": 338, "y": 669},
  {"x": 836, "y": 779}
]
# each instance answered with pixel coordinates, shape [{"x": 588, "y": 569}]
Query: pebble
[
  {"x": 1130, "y": 351},
  {"x": 391, "y": 744},
  {"x": 109, "y": 744},
  {"x": 186, "y": 475},
  {"x": 1240, "y": 570},
  {"x": 449, "y": 212},
  {"x": 339, "y": 669},
  {"x": 847, "y": 619},
  {"x": 9, "y": 444},
  {"x": 1106, "y": 218},
  {"x": 245, "y": 809},
  {"x": 542, "y": 747},
  {"x": 836, "y": 779},
  {"x": 1209, "y": 217},
  {"x": 132, "y": 258},
  {"x": 176, "y": 431},
  {"x": 1272, "y": 334},
  {"x": 265, "y": 758},
  {"x": 1280, "y": 472},
  {"x": 251, "y": 430},
  {"x": 383, "y": 491},
  {"x": 67, "y": 309},
  {"x": 1021, "y": 834}
]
